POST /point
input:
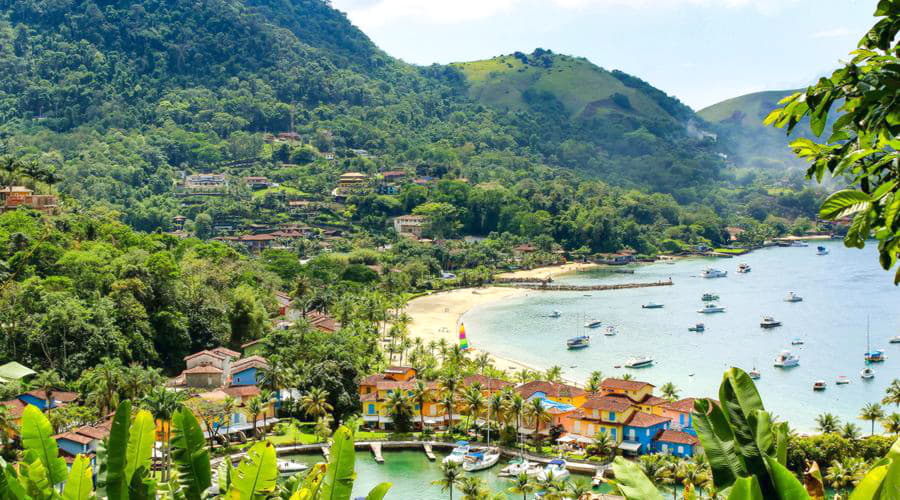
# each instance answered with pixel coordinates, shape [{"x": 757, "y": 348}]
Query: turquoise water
[
  {"x": 840, "y": 290},
  {"x": 411, "y": 474}
]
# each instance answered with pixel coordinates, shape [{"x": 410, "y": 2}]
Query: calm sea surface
[{"x": 840, "y": 291}]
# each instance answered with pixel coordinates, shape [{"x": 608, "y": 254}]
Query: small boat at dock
[
  {"x": 743, "y": 268},
  {"x": 651, "y": 305},
  {"x": 518, "y": 466},
  {"x": 793, "y": 297},
  {"x": 578, "y": 342},
  {"x": 639, "y": 362},
  {"x": 711, "y": 308},
  {"x": 872, "y": 355},
  {"x": 842, "y": 380},
  {"x": 459, "y": 453},
  {"x": 769, "y": 322},
  {"x": 710, "y": 272},
  {"x": 699, "y": 327},
  {"x": 481, "y": 460},
  {"x": 707, "y": 297},
  {"x": 819, "y": 385},
  {"x": 594, "y": 323},
  {"x": 798, "y": 244},
  {"x": 786, "y": 360},
  {"x": 290, "y": 466},
  {"x": 754, "y": 374},
  {"x": 556, "y": 469}
]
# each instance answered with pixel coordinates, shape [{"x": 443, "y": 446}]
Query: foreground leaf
[
  {"x": 190, "y": 455},
  {"x": 338, "y": 481},
  {"x": 631, "y": 481},
  {"x": 79, "y": 485},
  {"x": 257, "y": 473},
  {"x": 142, "y": 437},
  {"x": 37, "y": 436},
  {"x": 117, "y": 452}
]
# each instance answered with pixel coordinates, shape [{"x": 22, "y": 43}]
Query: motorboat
[
  {"x": 793, "y": 297},
  {"x": 711, "y": 308},
  {"x": 610, "y": 331},
  {"x": 820, "y": 250},
  {"x": 594, "y": 323},
  {"x": 754, "y": 374},
  {"x": 894, "y": 340},
  {"x": 578, "y": 342},
  {"x": 710, "y": 272},
  {"x": 554, "y": 314},
  {"x": 699, "y": 327},
  {"x": 651, "y": 305},
  {"x": 842, "y": 380},
  {"x": 458, "y": 455},
  {"x": 556, "y": 470},
  {"x": 798, "y": 244},
  {"x": 743, "y": 268},
  {"x": 819, "y": 385},
  {"x": 639, "y": 362},
  {"x": 707, "y": 297},
  {"x": 867, "y": 373},
  {"x": 786, "y": 360},
  {"x": 769, "y": 322},
  {"x": 797, "y": 341},
  {"x": 518, "y": 466},
  {"x": 875, "y": 356},
  {"x": 481, "y": 460},
  {"x": 290, "y": 467}
]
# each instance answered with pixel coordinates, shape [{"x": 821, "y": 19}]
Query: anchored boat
[
  {"x": 711, "y": 308},
  {"x": 459, "y": 453},
  {"x": 578, "y": 342},
  {"x": 651, "y": 305},
  {"x": 710, "y": 272},
  {"x": 639, "y": 362},
  {"x": 556, "y": 470},
  {"x": 786, "y": 360},
  {"x": 290, "y": 467},
  {"x": 820, "y": 250},
  {"x": 481, "y": 460},
  {"x": 819, "y": 385},
  {"x": 769, "y": 322},
  {"x": 842, "y": 380},
  {"x": 793, "y": 297},
  {"x": 699, "y": 327},
  {"x": 743, "y": 268},
  {"x": 594, "y": 323},
  {"x": 707, "y": 297},
  {"x": 867, "y": 373}
]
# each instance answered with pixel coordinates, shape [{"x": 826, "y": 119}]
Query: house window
[
  {"x": 417, "y": 407},
  {"x": 613, "y": 434},
  {"x": 665, "y": 447},
  {"x": 681, "y": 419},
  {"x": 631, "y": 434},
  {"x": 612, "y": 416},
  {"x": 681, "y": 449},
  {"x": 577, "y": 426},
  {"x": 371, "y": 409},
  {"x": 590, "y": 429}
]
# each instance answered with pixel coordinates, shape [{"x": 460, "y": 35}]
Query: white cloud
[
  {"x": 374, "y": 13},
  {"x": 832, "y": 33}
]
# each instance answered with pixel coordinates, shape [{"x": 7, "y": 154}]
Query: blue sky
[{"x": 701, "y": 51}]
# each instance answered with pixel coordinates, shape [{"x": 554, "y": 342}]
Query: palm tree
[
  {"x": 268, "y": 399},
  {"x": 592, "y": 386},
  {"x": 448, "y": 402},
  {"x": 450, "y": 384},
  {"x": 163, "y": 403},
  {"x": 669, "y": 391},
  {"x": 252, "y": 408},
  {"x": 495, "y": 407},
  {"x": 627, "y": 376},
  {"x": 315, "y": 403},
  {"x": 522, "y": 484},
  {"x": 850, "y": 431},
  {"x": 845, "y": 474},
  {"x": 452, "y": 473},
  {"x": 482, "y": 361},
  {"x": 578, "y": 489},
  {"x": 421, "y": 394},
  {"x": 515, "y": 407},
  {"x": 827, "y": 423},
  {"x": 891, "y": 424},
  {"x": 536, "y": 412},
  {"x": 472, "y": 488},
  {"x": 102, "y": 385},
  {"x": 47, "y": 381},
  {"x": 474, "y": 402},
  {"x": 603, "y": 444},
  {"x": 400, "y": 409},
  {"x": 872, "y": 412},
  {"x": 554, "y": 373},
  {"x": 892, "y": 396}
]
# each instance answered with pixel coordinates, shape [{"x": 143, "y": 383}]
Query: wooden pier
[
  {"x": 429, "y": 452},
  {"x": 326, "y": 452},
  {"x": 589, "y": 288},
  {"x": 376, "y": 450}
]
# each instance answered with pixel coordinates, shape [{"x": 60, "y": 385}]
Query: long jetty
[{"x": 587, "y": 288}]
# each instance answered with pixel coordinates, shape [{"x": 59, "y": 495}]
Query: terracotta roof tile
[
  {"x": 227, "y": 352},
  {"x": 245, "y": 391},
  {"x": 491, "y": 384},
  {"x": 551, "y": 389},
  {"x": 61, "y": 396},
  {"x": 71, "y": 436},
  {"x": 207, "y": 352},
  {"x": 677, "y": 437},
  {"x": 16, "y": 407},
  {"x": 626, "y": 385},
  {"x": 641, "y": 419},
  {"x": 249, "y": 362},
  {"x": 93, "y": 432},
  {"x": 606, "y": 404},
  {"x": 202, "y": 369}
]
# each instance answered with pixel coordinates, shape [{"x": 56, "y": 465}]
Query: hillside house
[
  {"x": 39, "y": 398},
  {"x": 257, "y": 182},
  {"x": 205, "y": 182},
  {"x": 411, "y": 225},
  {"x": 13, "y": 197}
]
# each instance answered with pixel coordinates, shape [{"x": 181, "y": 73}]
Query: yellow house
[
  {"x": 561, "y": 393},
  {"x": 603, "y": 414},
  {"x": 634, "y": 390}
]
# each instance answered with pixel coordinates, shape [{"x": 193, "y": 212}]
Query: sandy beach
[{"x": 436, "y": 316}]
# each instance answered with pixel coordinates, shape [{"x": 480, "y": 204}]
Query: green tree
[
  {"x": 400, "y": 408},
  {"x": 314, "y": 403},
  {"x": 452, "y": 474},
  {"x": 827, "y": 423},
  {"x": 872, "y": 412}
]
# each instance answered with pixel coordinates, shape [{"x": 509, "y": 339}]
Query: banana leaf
[
  {"x": 787, "y": 486},
  {"x": 378, "y": 492},
  {"x": 718, "y": 443},
  {"x": 34, "y": 477},
  {"x": 813, "y": 483},
  {"x": 142, "y": 437},
  {"x": 745, "y": 488},
  {"x": 224, "y": 476},
  {"x": 117, "y": 453},
  {"x": 881, "y": 482},
  {"x": 257, "y": 473},
  {"x": 37, "y": 436},
  {"x": 781, "y": 440},
  {"x": 141, "y": 486},
  {"x": 340, "y": 474},
  {"x": 743, "y": 408},
  {"x": 190, "y": 455},
  {"x": 10, "y": 487},
  {"x": 632, "y": 483},
  {"x": 80, "y": 484}
]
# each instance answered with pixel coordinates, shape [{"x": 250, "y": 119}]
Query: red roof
[
  {"x": 606, "y": 404},
  {"x": 16, "y": 407},
  {"x": 203, "y": 369},
  {"x": 207, "y": 352},
  {"x": 551, "y": 389},
  {"x": 322, "y": 322},
  {"x": 61, "y": 396},
  {"x": 641, "y": 419},
  {"x": 226, "y": 351},
  {"x": 257, "y": 237},
  {"x": 250, "y": 362},
  {"x": 685, "y": 405},
  {"x": 93, "y": 432},
  {"x": 624, "y": 385},
  {"x": 654, "y": 401},
  {"x": 677, "y": 437},
  {"x": 490, "y": 384},
  {"x": 71, "y": 436},
  {"x": 246, "y": 391}
]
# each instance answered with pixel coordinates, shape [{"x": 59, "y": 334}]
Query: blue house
[
  {"x": 83, "y": 440},
  {"x": 39, "y": 398},
  {"x": 246, "y": 371},
  {"x": 680, "y": 444},
  {"x": 640, "y": 430}
]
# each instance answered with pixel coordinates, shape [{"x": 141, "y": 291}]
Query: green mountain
[{"x": 122, "y": 97}]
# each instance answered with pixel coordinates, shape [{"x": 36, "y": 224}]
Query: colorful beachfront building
[
  {"x": 555, "y": 391},
  {"x": 600, "y": 415},
  {"x": 640, "y": 431},
  {"x": 681, "y": 414},
  {"x": 677, "y": 443}
]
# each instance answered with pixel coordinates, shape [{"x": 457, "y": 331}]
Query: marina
[{"x": 838, "y": 293}]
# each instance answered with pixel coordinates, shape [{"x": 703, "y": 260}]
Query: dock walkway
[
  {"x": 376, "y": 450},
  {"x": 588, "y": 288}
]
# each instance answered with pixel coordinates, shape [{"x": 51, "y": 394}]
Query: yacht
[
  {"x": 578, "y": 342},
  {"x": 820, "y": 250},
  {"x": 842, "y": 380},
  {"x": 290, "y": 467},
  {"x": 459, "y": 453},
  {"x": 819, "y": 385},
  {"x": 651, "y": 305},
  {"x": 610, "y": 331},
  {"x": 594, "y": 323},
  {"x": 875, "y": 356},
  {"x": 743, "y": 268},
  {"x": 710, "y": 272},
  {"x": 518, "y": 466},
  {"x": 708, "y": 297},
  {"x": 867, "y": 373},
  {"x": 699, "y": 327},
  {"x": 639, "y": 362},
  {"x": 793, "y": 297},
  {"x": 754, "y": 374},
  {"x": 769, "y": 322},
  {"x": 711, "y": 308},
  {"x": 895, "y": 339},
  {"x": 554, "y": 314},
  {"x": 786, "y": 360},
  {"x": 797, "y": 341},
  {"x": 798, "y": 244},
  {"x": 555, "y": 469},
  {"x": 481, "y": 460}
]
